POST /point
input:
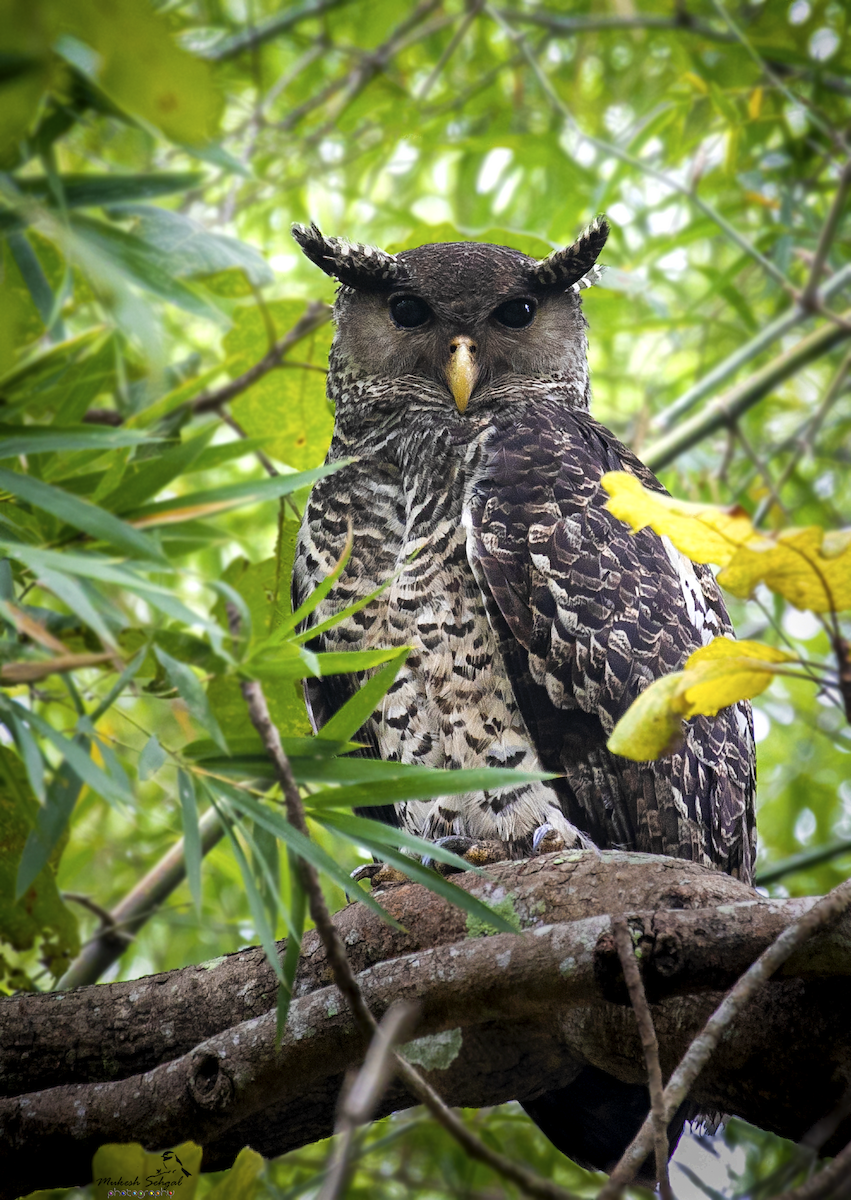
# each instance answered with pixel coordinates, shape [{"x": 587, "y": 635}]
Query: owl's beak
[{"x": 462, "y": 370}]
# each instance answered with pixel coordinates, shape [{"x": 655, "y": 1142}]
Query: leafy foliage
[{"x": 161, "y": 377}]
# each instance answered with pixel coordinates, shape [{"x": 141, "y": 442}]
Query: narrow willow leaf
[
  {"x": 34, "y": 440},
  {"x": 347, "y": 720},
  {"x": 383, "y": 841},
  {"x": 127, "y": 676},
  {"x": 184, "y": 679},
  {"x": 249, "y": 750},
  {"x": 424, "y": 783},
  {"x": 79, "y": 760},
  {"x": 191, "y": 835},
  {"x": 93, "y": 566},
  {"x": 73, "y": 594},
  {"x": 295, "y": 930},
  {"x": 151, "y": 759},
  {"x": 101, "y": 191},
  {"x": 303, "y": 664},
  {"x": 255, "y": 902},
  {"x": 299, "y": 844},
  {"x": 233, "y": 495},
  {"x": 51, "y": 822},
  {"x": 82, "y": 515},
  {"x": 154, "y": 474},
  {"x": 145, "y": 266},
  {"x": 31, "y": 756}
]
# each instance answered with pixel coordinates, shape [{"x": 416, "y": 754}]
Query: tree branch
[
  {"x": 632, "y": 976},
  {"x": 316, "y": 315},
  {"x": 727, "y": 408},
  {"x": 524, "y": 1012},
  {"x": 823, "y": 913}
]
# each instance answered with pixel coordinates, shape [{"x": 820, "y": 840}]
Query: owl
[{"x": 472, "y": 492}]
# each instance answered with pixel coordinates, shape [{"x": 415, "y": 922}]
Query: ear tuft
[
  {"x": 574, "y": 267},
  {"x": 365, "y": 268}
]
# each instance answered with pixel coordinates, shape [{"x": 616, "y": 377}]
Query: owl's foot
[
  {"x": 379, "y": 874},
  {"x": 547, "y": 839},
  {"x": 477, "y": 852}
]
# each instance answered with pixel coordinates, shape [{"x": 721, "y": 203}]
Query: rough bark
[{"x": 190, "y": 1054}]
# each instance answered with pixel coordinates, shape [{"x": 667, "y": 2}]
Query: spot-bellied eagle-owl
[{"x": 535, "y": 617}]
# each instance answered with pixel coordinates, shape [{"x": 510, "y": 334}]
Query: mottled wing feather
[{"x": 587, "y": 614}]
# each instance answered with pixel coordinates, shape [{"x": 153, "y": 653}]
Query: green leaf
[
  {"x": 234, "y": 495},
  {"x": 145, "y": 265},
  {"x": 383, "y": 841},
  {"x": 153, "y": 474},
  {"x": 83, "y": 515},
  {"x": 192, "y": 693},
  {"x": 140, "y": 67},
  {"x": 398, "y": 782},
  {"x": 37, "y": 440},
  {"x": 38, "y": 918},
  {"x": 351, "y": 716},
  {"x": 151, "y": 759},
  {"x": 192, "y": 249},
  {"x": 297, "y": 842},
  {"x": 113, "y": 790},
  {"x": 50, "y": 825},
  {"x": 191, "y": 835},
  {"x": 97, "y": 190}
]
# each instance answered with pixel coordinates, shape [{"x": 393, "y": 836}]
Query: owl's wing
[{"x": 587, "y": 614}]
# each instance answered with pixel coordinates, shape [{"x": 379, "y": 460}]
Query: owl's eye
[
  {"x": 516, "y": 314},
  {"x": 409, "y": 311}
]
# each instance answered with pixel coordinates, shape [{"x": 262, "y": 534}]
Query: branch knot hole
[{"x": 210, "y": 1085}]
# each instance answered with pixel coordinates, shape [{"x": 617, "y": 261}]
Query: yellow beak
[{"x": 462, "y": 370}]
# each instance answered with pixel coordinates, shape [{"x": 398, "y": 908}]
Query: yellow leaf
[
  {"x": 705, "y": 533},
  {"x": 652, "y": 725},
  {"x": 802, "y": 565},
  {"x": 755, "y": 103},
  {"x": 710, "y": 686},
  {"x": 716, "y": 676},
  {"x": 724, "y": 647}
]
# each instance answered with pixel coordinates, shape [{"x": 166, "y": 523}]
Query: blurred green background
[{"x": 152, "y": 159}]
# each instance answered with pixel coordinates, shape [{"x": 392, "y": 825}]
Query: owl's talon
[
  {"x": 366, "y": 871},
  {"x": 378, "y": 874},
  {"x": 546, "y": 839}
]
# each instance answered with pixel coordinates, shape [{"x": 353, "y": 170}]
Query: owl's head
[{"x": 464, "y": 318}]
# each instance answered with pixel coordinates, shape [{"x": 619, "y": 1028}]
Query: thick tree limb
[{"x": 513, "y": 1015}]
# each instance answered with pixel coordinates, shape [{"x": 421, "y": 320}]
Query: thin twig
[
  {"x": 265, "y": 462},
  {"x": 454, "y": 42},
  {"x": 251, "y": 38},
  {"x": 747, "y": 353},
  {"x": 572, "y": 26},
  {"x": 341, "y": 969},
  {"x": 316, "y": 315},
  {"x": 361, "y": 1099},
  {"x": 727, "y": 408},
  {"x": 828, "y": 233},
  {"x": 806, "y": 440},
  {"x": 650, "y": 1045},
  {"x": 612, "y": 148},
  {"x": 696, "y": 1057}
]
